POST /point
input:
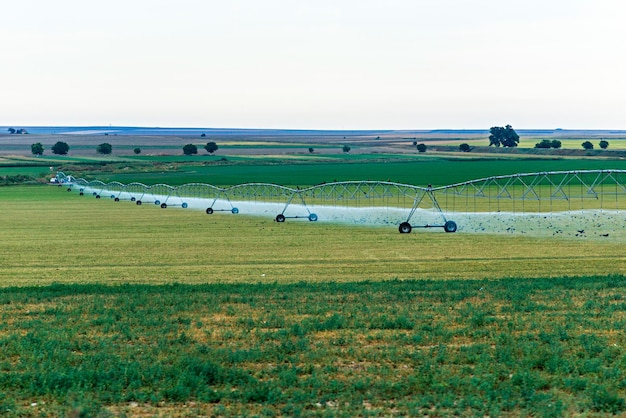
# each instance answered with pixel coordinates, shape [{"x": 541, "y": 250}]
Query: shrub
[
  {"x": 587, "y": 145},
  {"x": 104, "y": 148},
  {"x": 60, "y": 148},
  {"x": 37, "y": 149},
  {"x": 604, "y": 144},
  {"x": 211, "y": 147},
  {"x": 545, "y": 143},
  {"x": 190, "y": 149},
  {"x": 421, "y": 147}
]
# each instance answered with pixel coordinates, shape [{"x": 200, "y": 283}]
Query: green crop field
[
  {"x": 113, "y": 309},
  {"x": 420, "y": 172}
]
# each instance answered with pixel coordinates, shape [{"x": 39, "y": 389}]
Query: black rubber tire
[
  {"x": 138, "y": 203},
  {"x": 157, "y": 202},
  {"x": 81, "y": 193},
  {"x": 449, "y": 226},
  {"x": 97, "y": 196},
  {"x": 163, "y": 205},
  {"x": 405, "y": 228},
  {"x": 234, "y": 211},
  {"x": 184, "y": 205},
  {"x": 69, "y": 189},
  {"x": 312, "y": 217},
  {"x": 117, "y": 199},
  {"x": 132, "y": 199},
  {"x": 209, "y": 211},
  {"x": 280, "y": 218}
]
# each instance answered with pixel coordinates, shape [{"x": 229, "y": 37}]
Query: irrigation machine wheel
[
  {"x": 117, "y": 199},
  {"x": 163, "y": 205},
  {"x": 157, "y": 202},
  {"x": 312, "y": 217},
  {"x": 280, "y": 218},
  {"x": 449, "y": 226},
  {"x": 405, "y": 228},
  {"x": 97, "y": 196},
  {"x": 184, "y": 205},
  {"x": 81, "y": 193},
  {"x": 209, "y": 211},
  {"x": 138, "y": 203},
  {"x": 132, "y": 199},
  {"x": 234, "y": 211}
]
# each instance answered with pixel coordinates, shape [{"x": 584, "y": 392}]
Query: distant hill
[{"x": 137, "y": 130}]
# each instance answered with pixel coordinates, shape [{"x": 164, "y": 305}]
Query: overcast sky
[{"x": 314, "y": 64}]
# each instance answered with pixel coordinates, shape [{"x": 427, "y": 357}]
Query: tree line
[
  {"x": 62, "y": 148},
  {"x": 499, "y": 137},
  {"x": 20, "y": 131}
]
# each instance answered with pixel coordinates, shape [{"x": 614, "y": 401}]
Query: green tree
[
  {"x": 60, "y": 148},
  {"x": 545, "y": 143},
  {"x": 465, "y": 147},
  {"x": 555, "y": 144},
  {"x": 137, "y": 151},
  {"x": 421, "y": 147},
  {"x": 211, "y": 147},
  {"x": 104, "y": 148},
  {"x": 190, "y": 149},
  {"x": 587, "y": 145},
  {"x": 506, "y": 137},
  {"x": 37, "y": 149},
  {"x": 346, "y": 148},
  {"x": 604, "y": 144}
]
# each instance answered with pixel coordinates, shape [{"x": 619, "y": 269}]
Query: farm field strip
[
  {"x": 111, "y": 308},
  {"x": 546, "y": 347},
  {"x": 416, "y": 170},
  {"x": 50, "y": 235}
]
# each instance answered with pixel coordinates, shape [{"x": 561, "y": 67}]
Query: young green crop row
[
  {"x": 546, "y": 347},
  {"x": 420, "y": 172},
  {"x": 415, "y": 170}
]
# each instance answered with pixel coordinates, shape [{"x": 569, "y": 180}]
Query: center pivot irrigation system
[{"x": 427, "y": 207}]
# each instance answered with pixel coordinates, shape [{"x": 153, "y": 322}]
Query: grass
[
  {"x": 115, "y": 309},
  {"x": 545, "y": 347},
  {"x": 50, "y": 235}
]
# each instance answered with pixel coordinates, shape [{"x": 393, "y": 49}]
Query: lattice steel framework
[{"x": 525, "y": 192}]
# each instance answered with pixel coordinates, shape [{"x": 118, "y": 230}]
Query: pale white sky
[{"x": 314, "y": 64}]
